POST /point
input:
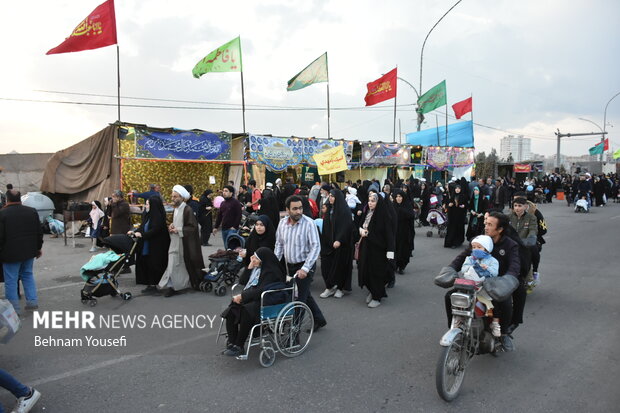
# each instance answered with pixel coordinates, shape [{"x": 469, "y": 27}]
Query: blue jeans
[
  {"x": 11, "y": 384},
  {"x": 15, "y": 271},
  {"x": 226, "y": 233}
]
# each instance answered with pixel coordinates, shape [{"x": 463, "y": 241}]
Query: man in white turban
[{"x": 184, "y": 255}]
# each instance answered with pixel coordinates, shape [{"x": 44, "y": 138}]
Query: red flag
[
  {"x": 462, "y": 107},
  {"x": 606, "y": 147},
  {"x": 95, "y": 31},
  {"x": 381, "y": 89}
]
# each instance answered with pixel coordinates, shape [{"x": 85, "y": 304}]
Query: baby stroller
[
  {"x": 436, "y": 218},
  {"x": 582, "y": 206},
  {"x": 224, "y": 267},
  {"x": 102, "y": 271}
]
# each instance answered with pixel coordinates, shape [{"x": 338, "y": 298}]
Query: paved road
[{"x": 365, "y": 360}]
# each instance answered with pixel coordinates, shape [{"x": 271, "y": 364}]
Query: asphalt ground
[{"x": 364, "y": 360}]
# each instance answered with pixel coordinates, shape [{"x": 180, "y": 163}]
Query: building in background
[{"x": 517, "y": 147}]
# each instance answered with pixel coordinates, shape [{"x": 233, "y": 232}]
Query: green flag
[
  {"x": 226, "y": 58},
  {"x": 597, "y": 149},
  {"x": 434, "y": 98},
  {"x": 617, "y": 154},
  {"x": 316, "y": 72}
]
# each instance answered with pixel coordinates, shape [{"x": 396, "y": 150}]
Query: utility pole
[{"x": 568, "y": 135}]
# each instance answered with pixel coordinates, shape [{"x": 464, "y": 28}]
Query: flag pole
[
  {"x": 437, "y": 124},
  {"x": 394, "y": 129},
  {"x": 447, "y": 118},
  {"x": 242, "y": 101},
  {"x": 328, "y": 115},
  {"x": 118, "y": 82}
]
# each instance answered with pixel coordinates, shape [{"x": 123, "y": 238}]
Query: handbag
[
  {"x": 9, "y": 321},
  {"x": 356, "y": 254}
]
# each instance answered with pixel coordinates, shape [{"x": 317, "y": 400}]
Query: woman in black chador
[
  {"x": 478, "y": 205},
  {"x": 262, "y": 235},
  {"x": 205, "y": 217},
  {"x": 457, "y": 209},
  {"x": 404, "y": 217},
  {"x": 269, "y": 206},
  {"x": 376, "y": 249},
  {"x": 337, "y": 246},
  {"x": 152, "y": 252}
]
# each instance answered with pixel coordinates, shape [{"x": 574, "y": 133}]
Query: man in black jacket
[
  {"x": 21, "y": 240},
  {"x": 506, "y": 252}
]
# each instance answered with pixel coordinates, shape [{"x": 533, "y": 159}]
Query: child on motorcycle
[{"x": 480, "y": 265}]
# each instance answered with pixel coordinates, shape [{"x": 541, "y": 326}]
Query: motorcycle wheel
[{"x": 450, "y": 369}]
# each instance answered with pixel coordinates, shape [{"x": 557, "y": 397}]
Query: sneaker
[
  {"x": 507, "y": 343},
  {"x": 374, "y": 304},
  {"x": 93, "y": 249},
  {"x": 24, "y": 404},
  {"x": 151, "y": 289},
  {"x": 536, "y": 276},
  {"x": 31, "y": 307},
  {"x": 233, "y": 351},
  {"x": 495, "y": 329},
  {"x": 328, "y": 292},
  {"x": 338, "y": 294},
  {"x": 369, "y": 298}
]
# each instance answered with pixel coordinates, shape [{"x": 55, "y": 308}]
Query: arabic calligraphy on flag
[
  {"x": 226, "y": 58},
  {"x": 381, "y": 89},
  {"x": 433, "y": 99},
  {"x": 97, "y": 30}
]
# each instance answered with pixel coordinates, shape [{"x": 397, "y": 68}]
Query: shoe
[
  {"x": 401, "y": 271},
  {"x": 31, "y": 307},
  {"x": 536, "y": 276},
  {"x": 170, "y": 292},
  {"x": 328, "y": 292},
  {"x": 92, "y": 249},
  {"x": 507, "y": 343},
  {"x": 207, "y": 245},
  {"x": 495, "y": 329},
  {"x": 318, "y": 325},
  {"x": 24, "y": 404},
  {"x": 338, "y": 294},
  {"x": 233, "y": 351},
  {"x": 374, "y": 304},
  {"x": 228, "y": 347},
  {"x": 369, "y": 298},
  {"x": 391, "y": 284},
  {"x": 151, "y": 289}
]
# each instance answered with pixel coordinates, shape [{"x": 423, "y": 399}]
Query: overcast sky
[{"x": 531, "y": 66}]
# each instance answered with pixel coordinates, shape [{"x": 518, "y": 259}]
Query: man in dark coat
[
  {"x": 21, "y": 240},
  {"x": 119, "y": 215}
]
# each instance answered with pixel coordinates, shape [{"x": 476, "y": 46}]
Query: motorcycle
[{"x": 470, "y": 335}]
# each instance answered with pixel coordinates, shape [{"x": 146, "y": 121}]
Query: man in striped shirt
[{"x": 297, "y": 238}]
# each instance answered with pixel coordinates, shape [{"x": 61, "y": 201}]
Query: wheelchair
[{"x": 284, "y": 328}]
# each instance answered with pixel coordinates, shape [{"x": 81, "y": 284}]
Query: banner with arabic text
[
  {"x": 275, "y": 153},
  {"x": 385, "y": 154},
  {"x": 316, "y": 146},
  {"x": 442, "y": 157},
  {"x": 522, "y": 168},
  {"x": 182, "y": 144},
  {"x": 331, "y": 161}
]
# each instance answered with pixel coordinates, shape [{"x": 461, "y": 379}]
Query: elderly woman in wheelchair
[{"x": 266, "y": 311}]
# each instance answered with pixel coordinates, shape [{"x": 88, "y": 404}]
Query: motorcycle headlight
[{"x": 460, "y": 300}]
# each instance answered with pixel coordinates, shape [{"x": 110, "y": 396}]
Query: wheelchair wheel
[
  {"x": 267, "y": 357},
  {"x": 293, "y": 329},
  {"x": 220, "y": 291},
  {"x": 429, "y": 233},
  {"x": 208, "y": 287},
  {"x": 92, "y": 302}
]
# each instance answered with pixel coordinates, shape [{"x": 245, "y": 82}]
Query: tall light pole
[
  {"x": 420, "y": 116},
  {"x": 602, "y": 133},
  {"x": 605, "y": 118}
]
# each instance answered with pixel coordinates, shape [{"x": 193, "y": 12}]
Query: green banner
[
  {"x": 315, "y": 72},
  {"x": 597, "y": 149},
  {"x": 226, "y": 58},
  {"x": 433, "y": 99}
]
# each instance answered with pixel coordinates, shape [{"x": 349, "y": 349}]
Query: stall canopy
[
  {"x": 459, "y": 134},
  {"x": 87, "y": 170}
]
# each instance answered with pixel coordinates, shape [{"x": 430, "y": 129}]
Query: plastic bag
[{"x": 9, "y": 321}]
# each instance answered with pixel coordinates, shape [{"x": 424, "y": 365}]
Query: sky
[{"x": 532, "y": 67}]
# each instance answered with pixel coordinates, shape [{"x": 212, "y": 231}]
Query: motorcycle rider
[{"x": 506, "y": 252}]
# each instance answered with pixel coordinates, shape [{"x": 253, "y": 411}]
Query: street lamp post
[
  {"x": 420, "y": 116},
  {"x": 605, "y": 118},
  {"x": 602, "y": 133}
]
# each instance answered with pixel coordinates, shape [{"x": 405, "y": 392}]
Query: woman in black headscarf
[
  {"x": 425, "y": 198},
  {"x": 478, "y": 205},
  {"x": 457, "y": 209},
  {"x": 269, "y": 206},
  {"x": 262, "y": 235},
  {"x": 205, "y": 217},
  {"x": 376, "y": 249},
  {"x": 152, "y": 252},
  {"x": 404, "y": 217},
  {"x": 336, "y": 246},
  {"x": 244, "y": 310}
]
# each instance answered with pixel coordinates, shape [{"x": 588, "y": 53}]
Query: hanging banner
[
  {"x": 418, "y": 171},
  {"x": 442, "y": 157},
  {"x": 276, "y": 153},
  {"x": 385, "y": 154},
  {"x": 182, "y": 144},
  {"x": 522, "y": 168},
  {"x": 331, "y": 161},
  {"x": 316, "y": 146}
]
